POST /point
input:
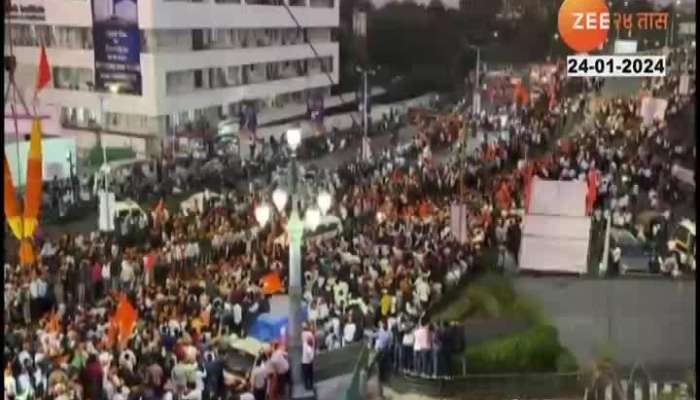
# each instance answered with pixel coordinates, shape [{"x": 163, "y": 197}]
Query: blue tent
[{"x": 267, "y": 328}]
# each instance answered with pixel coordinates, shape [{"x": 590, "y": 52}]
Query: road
[
  {"x": 650, "y": 321},
  {"x": 88, "y": 222}
]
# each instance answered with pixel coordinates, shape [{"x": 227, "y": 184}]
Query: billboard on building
[{"x": 115, "y": 29}]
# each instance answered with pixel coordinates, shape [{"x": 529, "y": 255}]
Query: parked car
[{"x": 635, "y": 256}]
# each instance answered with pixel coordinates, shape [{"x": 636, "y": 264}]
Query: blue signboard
[{"x": 117, "y": 44}]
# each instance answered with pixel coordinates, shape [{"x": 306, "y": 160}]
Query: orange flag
[
  {"x": 125, "y": 318},
  {"x": 32, "y": 202},
  {"x": 54, "y": 325},
  {"x": 44, "y": 75},
  {"x": 271, "y": 283}
]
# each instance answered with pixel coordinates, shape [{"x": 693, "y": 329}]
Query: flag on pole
[
  {"x": 33, "y": 196},
  {"x": 271, "y": 283},
  {"x": 33, "y": 199},
  {"x": 592, "y": 195},
  {"x": 44, "y": 75},
  {"x": 123, "y": 321}
]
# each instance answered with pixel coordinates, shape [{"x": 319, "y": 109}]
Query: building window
[{"x": 198, "y": 79}]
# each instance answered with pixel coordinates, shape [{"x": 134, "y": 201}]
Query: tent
[{"x": 267, "y": 327}]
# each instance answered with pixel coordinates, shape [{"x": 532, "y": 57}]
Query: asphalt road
[
  {"x": 647, "y": 321},
  {"x": 88, "y": 222}
]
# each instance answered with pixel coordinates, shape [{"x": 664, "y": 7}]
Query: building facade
[{"x": 200, "y": 60}]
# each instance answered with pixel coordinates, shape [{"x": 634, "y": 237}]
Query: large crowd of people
[{"x": 195, "y": 279}]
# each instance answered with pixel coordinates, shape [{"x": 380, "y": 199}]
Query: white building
[{"x": 200, "y": 59}]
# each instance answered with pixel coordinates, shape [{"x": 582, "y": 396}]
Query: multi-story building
[{"x": 200, "y": 60}]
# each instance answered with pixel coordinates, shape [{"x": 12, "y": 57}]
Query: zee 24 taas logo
[{"x": 584, "y": 24}]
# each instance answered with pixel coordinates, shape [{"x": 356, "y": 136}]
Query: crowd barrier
[{"x": 493, "y": 386}]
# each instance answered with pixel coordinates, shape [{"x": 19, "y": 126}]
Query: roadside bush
[{"x": 534, "y": 350}]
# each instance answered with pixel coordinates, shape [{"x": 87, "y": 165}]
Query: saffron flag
[
  {"x": 44, "y": 75},
  {"x": 33, "y": 196},
  {"x": 32, "y": 202},
  {"x": 54, "y": 325},
  {"x": 124, "y": 318},
  {"x": 271, "y": 283},
  {"x": 592, "y": 195}
]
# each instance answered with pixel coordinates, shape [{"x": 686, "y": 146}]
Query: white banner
[
  {"x": 684, "y": 175},
  {"x": 555, "y": 244},
  {"x": 563, "y": 198},
  {"x": 686, "y": 28},
  {"x": 653, "y": 108},
  {"x": 625, "y": 47}
]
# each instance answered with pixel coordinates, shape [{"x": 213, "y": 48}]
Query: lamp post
[
  {"x": 295, "y": 230},
  {"x": 365, "y": 72},
  {"x": 106, "y": 170},
  {"x": 71, "y": 176},
  {"x": 476, "y": 99},
  {"x": 554, "y": 42}
]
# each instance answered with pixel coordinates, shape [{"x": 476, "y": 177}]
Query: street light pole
[
  {"x": 365, "y": 109},
  {"x": 295, "y": 232},
  {"x": 106, "y": 171},
  {"x": 71, "y": 175},
  {"x": 365, "y": 117},
  {"x": 100, "y": 128},
  {"x": 476, "y": 98}
]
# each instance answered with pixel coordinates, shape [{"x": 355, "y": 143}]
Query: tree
[{"x": 436, "y": 7}]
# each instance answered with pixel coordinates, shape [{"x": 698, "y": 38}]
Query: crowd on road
[{"x": 196, "y": 279}]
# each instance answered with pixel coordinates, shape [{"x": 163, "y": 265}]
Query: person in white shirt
[
  {"x": 258, "y": 379},
  {"x": 280, "y": 366},
  {"x": 349, "y": 331},
  {"x": 127, "y": 274},
  {"x": 307, "y": 363},
  {"x": 193, "y": 392}
]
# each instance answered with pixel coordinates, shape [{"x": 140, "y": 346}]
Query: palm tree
[{"x": 604, "y": 372}]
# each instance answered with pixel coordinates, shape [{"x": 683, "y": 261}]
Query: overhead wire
[{"x": 317, "y": 56}]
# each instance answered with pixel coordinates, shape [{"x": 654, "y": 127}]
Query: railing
[
  {"x": 358, "y": 384},
  {"x": 337, "y": 362},
  {"x": 492, "y": 386}
]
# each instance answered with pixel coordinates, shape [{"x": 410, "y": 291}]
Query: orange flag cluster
[{"x": 24, "y": 224}]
